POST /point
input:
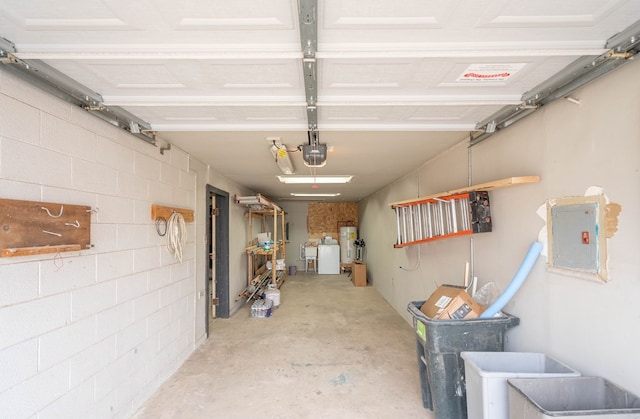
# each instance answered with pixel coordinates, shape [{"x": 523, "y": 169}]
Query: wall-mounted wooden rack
[
  {"x": 448, "y": 214},
  {"x": 32, "y": 228},
  {"x": 158, "y": 211}
]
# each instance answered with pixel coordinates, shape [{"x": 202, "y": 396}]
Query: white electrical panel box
[{"x": 577, "y": 242}]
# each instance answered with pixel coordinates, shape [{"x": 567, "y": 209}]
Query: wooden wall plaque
[{"x": 31, "y": 228}]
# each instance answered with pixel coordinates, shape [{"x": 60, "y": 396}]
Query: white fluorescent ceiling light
[
  {"x": 281, "y": 156},
  {"x": 315, "y": 179},
  {"x": 309, "y": 195}
]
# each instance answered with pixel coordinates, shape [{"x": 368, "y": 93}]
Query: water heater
[{"x": 348, "y": 236}]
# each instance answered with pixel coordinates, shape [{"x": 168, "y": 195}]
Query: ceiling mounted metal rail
[
  {"x": 49, "y": 79},
  {"x": 308, "y": 16},
  {"x": 622, "y": 48}
]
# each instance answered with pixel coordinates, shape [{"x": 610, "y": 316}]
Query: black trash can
[{"x": 441, "y": 369}]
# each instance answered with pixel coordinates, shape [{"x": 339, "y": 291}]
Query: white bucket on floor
[{"x": 273, "y": 294}]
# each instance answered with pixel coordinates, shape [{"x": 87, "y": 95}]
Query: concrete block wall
[{"x": 90, "y": 334}]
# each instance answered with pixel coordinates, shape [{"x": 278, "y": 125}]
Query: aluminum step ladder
[{"x": 431, "y": 219}]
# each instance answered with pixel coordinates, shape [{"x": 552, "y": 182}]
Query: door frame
[{"x": 222, "y": 251}]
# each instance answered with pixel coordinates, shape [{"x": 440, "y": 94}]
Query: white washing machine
[{"x": 328, "y": 259}]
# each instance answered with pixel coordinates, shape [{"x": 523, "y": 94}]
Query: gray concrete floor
[{"x": 331, "y": 350}]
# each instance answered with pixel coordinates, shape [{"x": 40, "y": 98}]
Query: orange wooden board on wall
[{"x": 158, "y": 211}]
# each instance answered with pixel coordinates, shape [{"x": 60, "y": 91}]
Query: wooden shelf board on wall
[
  {"x": 158, "y": 211},
  {"x": 489, "y": 186},
  {"x": 39, "y": 250}
]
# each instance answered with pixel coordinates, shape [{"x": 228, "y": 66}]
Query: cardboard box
[
  {"x": 451, "y": 303},
  {"x": 359, "y": 274}
]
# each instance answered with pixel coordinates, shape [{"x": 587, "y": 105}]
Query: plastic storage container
[
  {"x": 261, "y": 309},
  {"x": 571, "y": 397},
  {"x": 486, "y": 375},
  {"x": 441, "y": 369},
  {"x": 273, "y": 293}
]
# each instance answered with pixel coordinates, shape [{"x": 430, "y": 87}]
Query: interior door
[
  {"x": 213, "y": 300},
  {"x": 218, "y": 249}
]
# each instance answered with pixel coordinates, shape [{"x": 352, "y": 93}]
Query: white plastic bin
[
  {"x": 486, "y": 375},
  {"x": 570, "y": 397}
]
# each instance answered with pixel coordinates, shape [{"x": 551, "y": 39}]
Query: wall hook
[
  {"x": 163, "y": 149},
  {"x": 51, "y": 215},
  {"x": 573, "y": 100}
]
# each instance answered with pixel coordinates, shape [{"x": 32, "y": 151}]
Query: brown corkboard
[{"x": 327, "y": 217}]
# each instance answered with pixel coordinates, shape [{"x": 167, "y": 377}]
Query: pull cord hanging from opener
[{"x": 176, "y": 235}]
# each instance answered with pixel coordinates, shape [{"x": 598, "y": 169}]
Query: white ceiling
[{"x": 398, "y": 81}]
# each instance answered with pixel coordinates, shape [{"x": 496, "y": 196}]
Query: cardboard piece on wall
[{"x": 611, "y": 219}]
